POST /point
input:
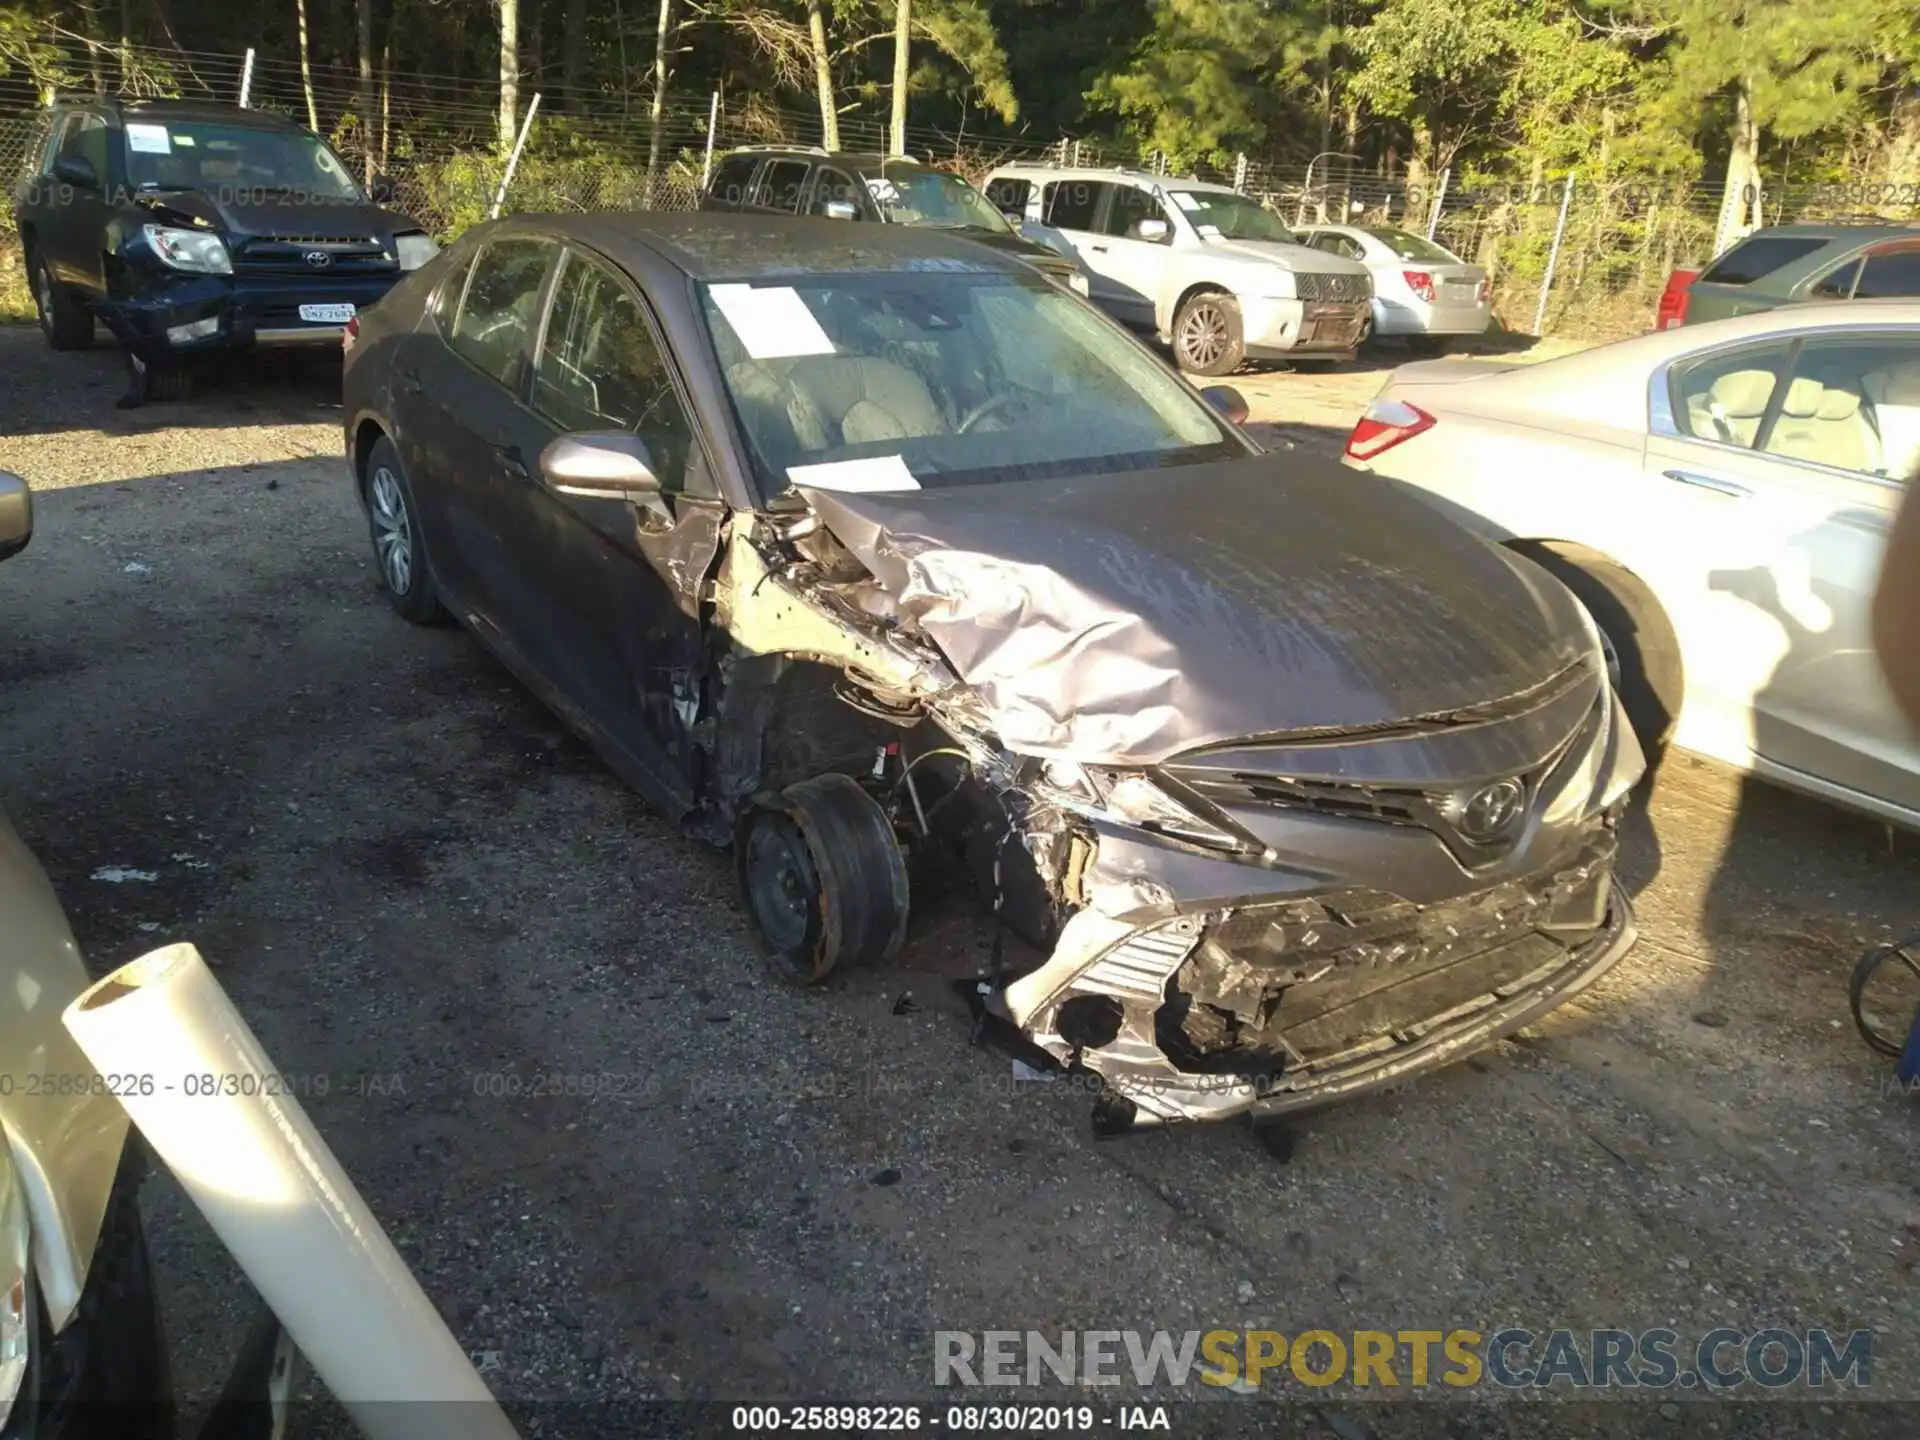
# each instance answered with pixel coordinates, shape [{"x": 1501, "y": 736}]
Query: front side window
[
  {"x": 780, "y": 185},
  {"x": 1835, "y": 284},
  {"x": 179, "y": 154},
  {"x": 1758, "y": 257},
  {"x": 1222, "y": 215},
  {"x": 831, "y": 185},
  {"x": 86, "y": 139},
  {"x": 1724, "y": 397},
  {"x": 1852, "y": 403},
  {"x": 915, "y": 195},
  {"x": 936, "y": 378},
  {"x": 1074, "y": 204},
  {"x": 1131, "y": 206},
  {"x": 1888, "y": 274},
  {"x": 497, "y": 313},
  {"x": 600, "y": 368}
]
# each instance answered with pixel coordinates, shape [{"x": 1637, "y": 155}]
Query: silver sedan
[{"x": 1421, "y": 290}]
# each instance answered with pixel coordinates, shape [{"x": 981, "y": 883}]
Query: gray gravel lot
[{"x": 408, "y": 875}]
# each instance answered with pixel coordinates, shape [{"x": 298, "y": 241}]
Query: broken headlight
[
  {"x": 191, "y": 250},
  {"x": 1130, "y": 797}
]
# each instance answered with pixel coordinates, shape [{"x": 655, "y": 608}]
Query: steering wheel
[{"x": 985, "y": 408}]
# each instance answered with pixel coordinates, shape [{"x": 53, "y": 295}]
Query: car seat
[
  {"x": 1823, "y": 423},
  {"x": 1893, "y": 397},
  {"x": 1731, "y": 408}
]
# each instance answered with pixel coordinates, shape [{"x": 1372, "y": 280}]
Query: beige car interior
[
  {"x": 827, "y": 401},
  {"x": 1867, "y": 422}
]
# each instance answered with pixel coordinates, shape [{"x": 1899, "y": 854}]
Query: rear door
[
  {"x": 731, "y": 184},
  {"x": 1790, "y": 508},
  {"x": 1070, "y": 212},
  {"x": 1737, "y": 283}
]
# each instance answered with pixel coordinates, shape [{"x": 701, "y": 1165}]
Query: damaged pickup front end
[{"x": 1295, "y": 793}]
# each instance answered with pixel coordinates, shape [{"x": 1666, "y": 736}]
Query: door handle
[
  {"x": 1731, "y": 488},
  {"x": 510, "y": 459}
]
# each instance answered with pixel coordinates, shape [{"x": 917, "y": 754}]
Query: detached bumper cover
[{"x": 1284, "y": 1005}]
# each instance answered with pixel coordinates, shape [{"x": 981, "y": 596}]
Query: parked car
[
  {"x": 1421, "y": 291},
  {"x": 192, "y": 228},
  {"x": 81, "y": 1352},
  {"x": 1204, "y": 268},
  {"x": 880, "y": 189},
  {"x": 847, "y": 557},
  {"x": 1719, "y": 497},
  {"x": 1789, "y": 264}
]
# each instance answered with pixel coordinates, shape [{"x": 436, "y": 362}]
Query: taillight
[
  {"x": 350, "y": 334},
  {"x": 1420, "y": 282},
  {"x": 1485, "y": 292},
  {"x": 1384, "y": 425},
  {"x": 1673, "y": 300}
]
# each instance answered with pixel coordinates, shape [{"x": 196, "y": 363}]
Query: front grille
[
  {"x": 1313, "y": 983},
  {"x": 1334, "y": 289},
  {"x": 288, "y": 255}
]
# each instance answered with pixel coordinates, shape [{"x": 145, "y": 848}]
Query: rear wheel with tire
[
  {"x": 394, "y": 524},
  {"x": 64, "y": 317},
  {"x": 823, "y": 878},
  {"x": 1643, "y": 654},
  {"x": 1208, "y": 337}
]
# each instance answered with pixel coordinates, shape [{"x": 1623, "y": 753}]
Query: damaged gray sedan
[{"x": 882, "y": 560}]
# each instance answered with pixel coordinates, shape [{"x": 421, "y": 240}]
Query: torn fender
[{"x": 1123, "y": 619}]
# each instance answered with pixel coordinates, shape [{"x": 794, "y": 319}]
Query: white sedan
[
  {"x": 1421, "y": 290},
  {"x": 1719, "y": 496}
]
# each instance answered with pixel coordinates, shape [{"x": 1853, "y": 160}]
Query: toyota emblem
[
  {"x": 1491, "y": 812},
  {"x": 318, "y": 259}
]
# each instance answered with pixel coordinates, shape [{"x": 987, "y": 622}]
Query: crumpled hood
[
  {"x": 1294, "y": 257},
  {"x": 1122, "y": 619},
  {"x": 317, "y": 219}
]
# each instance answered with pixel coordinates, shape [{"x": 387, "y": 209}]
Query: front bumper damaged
[{"x": 1280, "y": 1005}]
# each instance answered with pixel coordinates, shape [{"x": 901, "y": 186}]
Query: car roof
[
  {"x": 710, "y": 245},
  {"x": 1839, "y": 230},
  {"x": 206, "y": 110},
  {"x": 1033, "y": 171}
]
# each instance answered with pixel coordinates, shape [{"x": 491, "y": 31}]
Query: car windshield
[
  {"x": 1221, "y": 216},
  {"x": 915, "y": 195},
  {"x": 943, "y": 377},
  {"x": 1414, "y": 247},
  {"x": 201, "y": 155}
]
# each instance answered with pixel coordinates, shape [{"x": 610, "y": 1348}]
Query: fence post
[
  {"x": 1439, "y": 199},
  {"x": 713, "y": 124},
  {"x": 513, "y": 159},
  {"x": 1076, "y": 153},
  {"x": 1553, "y": 258},
  {"x": 1240, "y": 170},
  {"x": 246, "y": 79}
]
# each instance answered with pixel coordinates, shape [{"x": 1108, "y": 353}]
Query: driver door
[{"x": 1134, "y": 267}]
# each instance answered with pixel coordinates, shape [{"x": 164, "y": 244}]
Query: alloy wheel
[
  {"x": 1203, "y": 334},
  {"x": 392, "y": 530}
]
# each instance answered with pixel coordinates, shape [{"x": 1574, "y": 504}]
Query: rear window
[
  {"x": 1414, "y": 247},
  {"x": 1760, "y": 256}
]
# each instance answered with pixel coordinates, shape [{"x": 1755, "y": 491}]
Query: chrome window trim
[{"x": 1662, "y": 423}]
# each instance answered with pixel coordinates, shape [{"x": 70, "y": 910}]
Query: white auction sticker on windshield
[
  {"x": 876, "y": 475},
  {"x": 148, "y": 139},
  {"x": 772, "y": 321},
  {"x": 1186, "y": 200}
]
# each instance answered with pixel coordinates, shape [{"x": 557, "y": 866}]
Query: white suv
[{"x": 1209, "y": 270}]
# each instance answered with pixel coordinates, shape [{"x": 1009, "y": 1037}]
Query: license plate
[{"x": 327, "y": 314}]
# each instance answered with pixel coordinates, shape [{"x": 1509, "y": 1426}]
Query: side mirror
[
  {"x": 1227, "y": 400},
  {"x": 381, "y": 191},
  {"x": 77, "y": 171},
  {"x": 1153, "y": 231},
  {"x": 16, "y": 514},
  {"x": 601, "y": 465},
  {"x": 841, "y": 210}
]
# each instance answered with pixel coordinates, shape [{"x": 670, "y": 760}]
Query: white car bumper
[
  {"x": 1292, "y": 327},
  {"x": 1417, "y": 317}
]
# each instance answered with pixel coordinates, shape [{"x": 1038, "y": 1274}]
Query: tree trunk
[
  {"x": 902, "y": 24},
  {"x": 363, "y": 24},
  {"x": 509, "y": 70},
  {"x": 90, "y": 27},
  {"x": 657, "y": 113},
  {"x": 573, "y": 53},
  {"x": 1740, "y": 202},
  {"x": 306, "y": 67},
  {"x": 823, "y": 74}
]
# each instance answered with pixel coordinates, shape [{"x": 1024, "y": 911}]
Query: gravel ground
[{"x": 413, "y": 882}]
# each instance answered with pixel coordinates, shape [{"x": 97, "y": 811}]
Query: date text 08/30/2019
[{"x": 949, "y": 1419}]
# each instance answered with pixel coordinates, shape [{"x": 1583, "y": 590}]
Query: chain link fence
[{"x": 1568, "y": 255}]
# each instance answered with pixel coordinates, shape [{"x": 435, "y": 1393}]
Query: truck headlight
[
  {"x": 191, "y": 250},
  {"x": 16, "y": 1315},
  {"x": 1132, "y": 798},
  {"x": 413, "y": 251}
]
